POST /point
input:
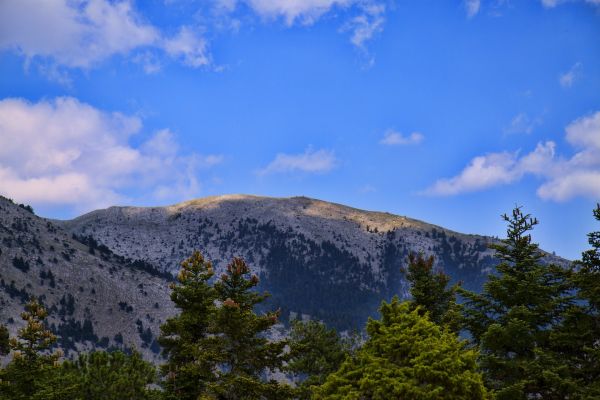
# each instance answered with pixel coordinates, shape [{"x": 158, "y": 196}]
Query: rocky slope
[
  {"x": 326, "y": 260},
  {"x": 96, "y": 299}
]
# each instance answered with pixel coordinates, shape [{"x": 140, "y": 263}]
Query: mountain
[
  {"x": 96, "y": 299},
  {"x": 330, "y": 261},
  {"x": 104, "y": 276}
]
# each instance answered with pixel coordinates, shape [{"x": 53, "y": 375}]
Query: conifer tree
[
  {"x": 315, "y": 352},
  {"x": 430, "y": 292},
  {"x": 407, "y": 356},
  {"x": 115, "y": 375},
  {"x": 513, "y": 318},
  {"x": 577, "y": 342},
  {"x": 188, "y": 368},
  {"x": 31, "y": 365},
  {"x": 242, "y": 351}
]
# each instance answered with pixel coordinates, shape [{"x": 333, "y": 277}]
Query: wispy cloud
[
  {"x": 393, "y": 138},
  {"x": 562, "y": 178},
  {"x": 311, "y": 161},
  {"x": 567, "y": 79},
  {"x": 472, "y": 7},
  {"x": 68, "y": 153},
  {"x": 554, "y": 3},
  {"x": 522, "y": 123},
  {"x": 83, "y": 34}
]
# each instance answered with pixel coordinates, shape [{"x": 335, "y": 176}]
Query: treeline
[{"x": 532, "y": 333}]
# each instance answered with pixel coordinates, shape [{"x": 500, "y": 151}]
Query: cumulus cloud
[
  {"x": 311, "y": 161},
  {"x": 472, "y": 7},
  {"x": 562, "y": 178},
  {"x": 83, "y": 33},
  {"x": 567, "y": 79},
  {"x": 393, "y": 138},
  {"x": 64, "y": 152}
]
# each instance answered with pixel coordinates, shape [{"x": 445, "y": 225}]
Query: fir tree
[
  {"x": 577, "y": 342},
  {"x": 315, "y": 352},
  {"x": 31, "y": 366},
  {"x": 407, "y": 356},
  {"x": 513, "y": 318},
  {"x": 188, "y": 369},
  {"x": 238, "y": 341},
  {"x": 111, "y": 376},
  {"x": 430, "y": 292}
]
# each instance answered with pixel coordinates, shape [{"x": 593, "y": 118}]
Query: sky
[{"x": 451, "y": 112}]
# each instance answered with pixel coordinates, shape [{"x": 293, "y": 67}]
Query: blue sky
[{"x": 447, "y": 111}]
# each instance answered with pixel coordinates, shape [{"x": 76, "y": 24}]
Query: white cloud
[
  {"x": 303, "y": 11},
  {"x": 393, "y": 138},
  {"x": 522, "y": 123},
  {"x": 367, "y": 19},
  {"x": 64, "y": 152},
  {"x": 567, "y": 79},
  {"x": 311, "y": 161},
  {"x": 189, "y": 46},
  {"x": 554, "y": 3},
  {"x": 83, "y": 33},
  {"x": 562, "y": 178},
  {"x": 472, "y": 7}
]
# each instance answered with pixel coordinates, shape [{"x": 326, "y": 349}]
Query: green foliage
[
  {"x": 430, "y": 293},
  {"x": 577, "y": 341},
  {"x": 109, "y": 376},
  {"x": 31, "y": 366},
  {"x": 216, "y": 346},
  {"x": 315, "y": 352},
  {"x": 186, "y": 372},
  {"x": 407, "y": 356},
  {"x": 513, "y": 318}
]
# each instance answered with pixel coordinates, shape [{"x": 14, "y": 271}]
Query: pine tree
[
  {"x": 577, "y": 342},
  {"x": 238, "y": 341},
  {"x": 31, "y": 366},
  {"x": 315, "y": 352},
  {"x": 407, "y": 356},
  {"x": 188, "y": 369},
  {"x": 430, "y": 292},
  {"x": 216, "y": 346},
  {"x": 116, "y": 375},
  {"x": 513, "y": 318}
]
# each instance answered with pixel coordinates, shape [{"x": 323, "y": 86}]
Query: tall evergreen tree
[
  {"x": 430, "y": 292},
  {"x": 577, "y": 342},
  {"x": 315, "y": 352},
  {"x": 216, "y": 346},
  {"x": 513, "y": 318},
  {"x": 188, "y": 369},
  {"x": 238, "y": 341},
  {"x": 407, "y": 356},
  {"x": 32, "y": 364}
]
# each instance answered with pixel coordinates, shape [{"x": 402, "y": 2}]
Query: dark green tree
[
  {"x": 239, "y": 343},
  {"x": 217, "y": 346},
  {"x": 32, "y": 366},
  {"x": 315, "y": 352},
  {"x": 189, "y": 368},
  {"x": 110, "y": 376},
  {"x": 430, "y": 292},
  {"x": 577, "y": 341},
  {"x": 513, "y": 318},
  {"x": 407, "y": 356}
]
